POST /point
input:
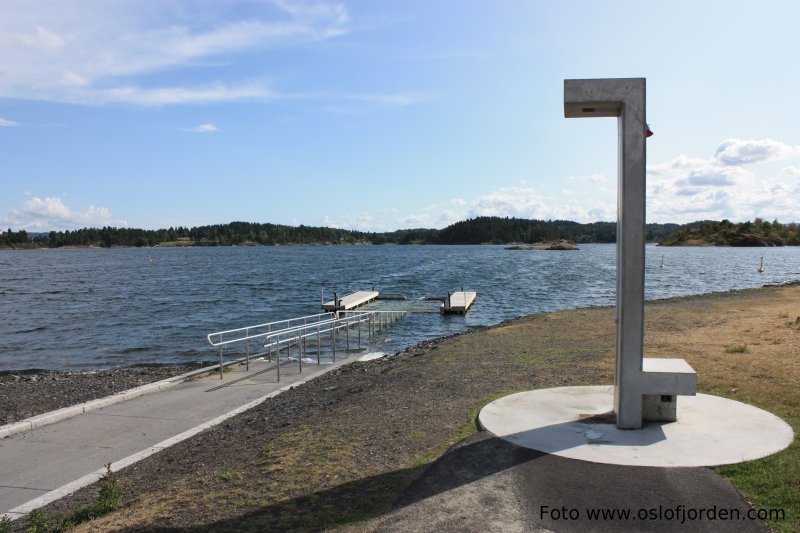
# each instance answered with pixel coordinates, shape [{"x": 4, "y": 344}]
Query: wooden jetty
[
  {"x": 458, "y": 302},
  {"x": 351, "y": 301}
]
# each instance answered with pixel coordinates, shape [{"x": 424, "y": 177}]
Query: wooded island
[{"x": 479, "y": 230}]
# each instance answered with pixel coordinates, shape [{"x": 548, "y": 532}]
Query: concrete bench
[{"x": 662, "y": 380}]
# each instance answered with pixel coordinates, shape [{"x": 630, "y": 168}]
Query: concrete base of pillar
[
  {"x": 659, "y": 408},
  {"x": 578, "y": 423}
]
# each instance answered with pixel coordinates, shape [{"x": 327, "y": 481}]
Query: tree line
[
  {"x": 479, "y": 230},
  {"x": 759, "y": 232}
]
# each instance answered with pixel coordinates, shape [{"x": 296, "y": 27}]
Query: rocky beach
[{"x": 30, "y": 393}]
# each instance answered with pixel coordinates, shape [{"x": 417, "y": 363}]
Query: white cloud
[
  {"x": 711, "y": 176},
  {"x": 70, "y": 79},
  {"x": 448, "y": 217},
  {"x": 688, "y": 189},
  {"x": 791, "y": 171},
  {"x": 415, "y": 221},
  {"x": 51, "y": 213},
  {"x": 515, "y": 201},
  {"x": 363, "y": 221},
  {"x": 7, "y": 123},
  {"x": 682, "y": 190},
  {"x": 203, "y": 128},
  {"x": 328, "y": 222},
  {"x": 740, "y": 152},
  {"x": 93, "y": 52},
  {"x": 592, "y": 178},
  {"x": 510, "y": 201},
  {"x": 37, "y": 38}
]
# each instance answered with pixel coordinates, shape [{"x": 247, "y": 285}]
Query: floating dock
[
  {"x": 458, "y": 303},
  {"x": 351, "y": 301}
]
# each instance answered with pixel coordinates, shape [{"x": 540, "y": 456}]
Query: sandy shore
[{"x": 345, "y": 446}]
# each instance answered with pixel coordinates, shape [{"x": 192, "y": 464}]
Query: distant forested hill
[
  {"x": 480, "y": 230},
  {"x": 497, "y": 230},
  {"x": 725, "y": 233}
]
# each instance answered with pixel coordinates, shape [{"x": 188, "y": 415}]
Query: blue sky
[{"x": 379, "y": 115}]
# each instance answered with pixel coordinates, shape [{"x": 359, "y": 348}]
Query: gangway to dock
[
  {"x": 295, "y": 335},
  {"x": 458, "y": 302},
  {"x": 351, "y": 301}
]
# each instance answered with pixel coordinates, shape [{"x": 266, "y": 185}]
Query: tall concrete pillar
[{"x": 623, "y": 98}]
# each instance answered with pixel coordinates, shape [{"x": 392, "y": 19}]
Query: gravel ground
[{"x": 26, "y": 394}]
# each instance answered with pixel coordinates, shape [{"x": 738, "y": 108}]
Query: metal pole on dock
[
  {"x": 247, "y": 334},
  {"x": 318, "y": 344},
  {"x": 269, "y": 330},
  {"x": 278, "y": 358},
  {"x": 220, "y": 362},
  {"x": 347, "y": 334},
  {"x": 300, "y": 352},
  {"x": 333, "y": 340}
]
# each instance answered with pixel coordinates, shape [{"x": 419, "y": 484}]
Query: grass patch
[
  {"x": 418, "y": 435},
  {"x": 109, "y": 498},
  {"x": 304, "y": 460},
  {"x": 767, "y": 378},
  {"x": 228, "y": 475},
  {"x": 308, "y": 469},
  {"x": 470, "y": 427},
  {"x": 737, "y": 348}
]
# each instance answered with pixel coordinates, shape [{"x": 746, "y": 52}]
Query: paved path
[
  {"x": 488, "y": 484},
  {"x": 45, "y": 463}
]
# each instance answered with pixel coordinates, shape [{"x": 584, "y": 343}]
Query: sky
[{"x": 379, "y": 115}]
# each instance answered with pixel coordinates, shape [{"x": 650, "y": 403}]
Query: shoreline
[
  {"x": 347, "y": 446},
  {"x": 21, "y": 390},
  {"x": 213, "y": 360}
]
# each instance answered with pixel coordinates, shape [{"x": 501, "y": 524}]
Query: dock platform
[
  {"x": 351, "y": 301},
  {"x": 458, "y": 303}
]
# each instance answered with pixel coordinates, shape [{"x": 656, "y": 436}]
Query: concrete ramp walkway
[{"x": 45, "y": 463}]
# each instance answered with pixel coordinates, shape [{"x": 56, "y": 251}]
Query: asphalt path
[{"x": 488, "y": 484}]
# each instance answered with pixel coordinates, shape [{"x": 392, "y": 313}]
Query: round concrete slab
[{"x": 574, "y": 422}]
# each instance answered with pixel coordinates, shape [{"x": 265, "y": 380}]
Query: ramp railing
[{"x": 272, "y": 337}]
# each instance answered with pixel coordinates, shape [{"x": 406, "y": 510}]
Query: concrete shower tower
[{"x": 644, "y": 389}]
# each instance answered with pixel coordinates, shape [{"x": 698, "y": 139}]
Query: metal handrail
[
  {"x": 269, "y": 325},
  {"x": 299, "y": 334},
  {"x": 322, "y": 323}
]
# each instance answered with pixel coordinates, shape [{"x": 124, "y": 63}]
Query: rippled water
[{"x": 100, "y": 308}]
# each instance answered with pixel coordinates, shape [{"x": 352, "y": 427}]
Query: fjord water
[{"x": 78, "y": 309}]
